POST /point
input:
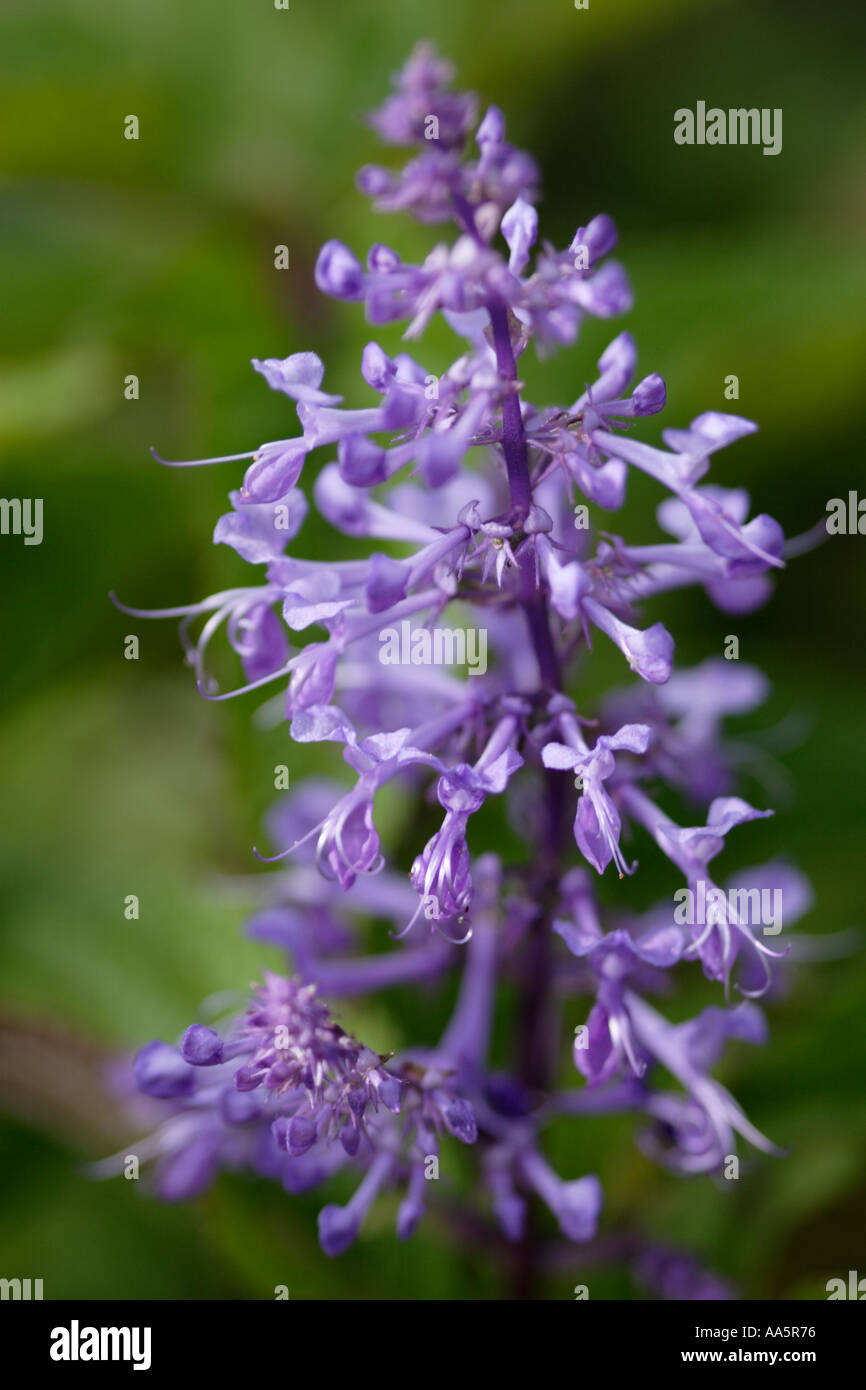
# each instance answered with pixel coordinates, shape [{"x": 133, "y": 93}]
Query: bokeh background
[{"x": 155, "y": 257}]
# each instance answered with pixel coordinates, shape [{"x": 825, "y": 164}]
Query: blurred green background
[{"x": 155, "y": 257}]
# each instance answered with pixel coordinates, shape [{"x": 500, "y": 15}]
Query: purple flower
[
  {"x": 261, "y": 532},
  {"x": 576, "y": 1204},
  {"x": 606, "y": 1047},
  {"x": 461, "y": 499},
  {"x": 597, "y": 823},
  {"x": 422, "y": 93},
  {"x": 298, "y": 376},
  {"x": 696, "y": 1132},
  {"x": 161, "y": 1072},
  {"x": 286, "y": 1091}
]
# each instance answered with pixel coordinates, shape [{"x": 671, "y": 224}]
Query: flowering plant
[{"x": 464, "y": 494}]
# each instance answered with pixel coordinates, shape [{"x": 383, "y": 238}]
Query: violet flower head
[{"x": 435, "y": 672}]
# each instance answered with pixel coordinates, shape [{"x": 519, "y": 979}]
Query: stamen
[
  {"x": 272, "y": 859},
  {"x": 455, "y": 940},
  {"x": 183, "y": 611},
  {"x": 202, "y": 463},
  {"x": 253, "y": 685},
  {"x": 398, "y": 936}
]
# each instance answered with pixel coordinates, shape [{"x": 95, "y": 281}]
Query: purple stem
[
  {"x": 537, "y": 1043},
  {"x": 513, "y": 437}
]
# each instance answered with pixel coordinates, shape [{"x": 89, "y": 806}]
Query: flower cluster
[{"x": 465, "y": 494}]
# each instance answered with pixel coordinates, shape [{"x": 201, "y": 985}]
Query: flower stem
[
  {"x": 536, "y": 1053},
  {"x": 513, "y": 437}
]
